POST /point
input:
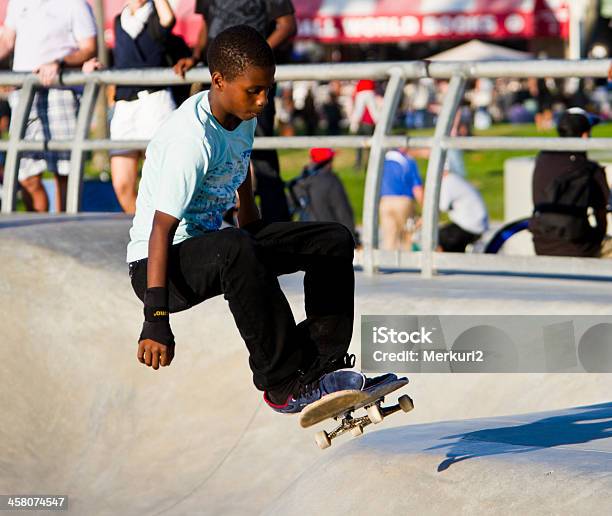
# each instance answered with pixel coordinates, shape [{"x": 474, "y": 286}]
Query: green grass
[{"x": 485, "y": 168}]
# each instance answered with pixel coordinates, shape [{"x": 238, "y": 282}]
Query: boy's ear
[{"x": 217, "y": 81}]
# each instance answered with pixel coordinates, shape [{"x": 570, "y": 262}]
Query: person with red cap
[
  {"x": 319, "y": 156},
  {"x": 318, "y": 193}
]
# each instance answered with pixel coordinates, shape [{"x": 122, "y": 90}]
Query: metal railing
[{"x": 428, "y": 261}]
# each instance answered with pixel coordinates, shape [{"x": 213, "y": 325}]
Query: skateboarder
[{"x": 178, "y": 256}]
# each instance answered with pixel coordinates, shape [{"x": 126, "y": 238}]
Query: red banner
[
  {"x": 423, "y": 20},
  {"x": 393, "y": 20},
  {"x": 426, "y": 27},
  {"x": 348, "y": 29}
]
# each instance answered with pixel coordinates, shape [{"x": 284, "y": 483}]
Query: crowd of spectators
[
  {"x": 339, "y": 106},
  {"x": 47, "y": 45}
]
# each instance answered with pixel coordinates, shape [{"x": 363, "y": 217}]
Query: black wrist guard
[
  {"x": 156, "y": 305},
  {"x": 157, "y": 317}
]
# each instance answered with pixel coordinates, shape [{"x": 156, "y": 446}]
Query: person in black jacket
[
  {"x": 567, "y": 187},
  {"x": 318, "y": 193}
]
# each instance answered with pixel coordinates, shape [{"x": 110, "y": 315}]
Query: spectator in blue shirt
[{"x": 401, "y": 188}]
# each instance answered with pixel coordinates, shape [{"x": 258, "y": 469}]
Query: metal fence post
[
  {"x": 75, "y": 179},
  {"x": 391, "y": 100},
  {"x": 435, "y": 168},
  {"x": 17, "y": 132}
]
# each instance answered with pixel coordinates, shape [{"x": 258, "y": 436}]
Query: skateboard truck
[
  {"x": 355, "y": 425},
  {"x": 341, "y": 406}
]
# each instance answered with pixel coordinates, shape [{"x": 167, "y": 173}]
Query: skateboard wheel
[
  {"x": 323, "y": 440},
  {"x": 406, "y": 403},
  {"x": 356, "y": 431},
  {"x": 374, "y": 414}
]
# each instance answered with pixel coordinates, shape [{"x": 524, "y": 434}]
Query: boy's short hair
[{"x": 237, "y": 48}]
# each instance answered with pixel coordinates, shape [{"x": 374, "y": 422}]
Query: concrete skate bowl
[
  {"x": 80, "y": 415},
  {"x": 539, "y": 463}
]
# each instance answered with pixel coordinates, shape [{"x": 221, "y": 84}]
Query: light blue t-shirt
[{"x": 192, "y": 170}]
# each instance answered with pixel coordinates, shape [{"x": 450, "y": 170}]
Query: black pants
[{"x": 244, "y": 268}]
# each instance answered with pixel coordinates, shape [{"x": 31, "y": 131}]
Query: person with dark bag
[
  {"x": 319, "y": 195},
  {"x": 566, "y": 187}
]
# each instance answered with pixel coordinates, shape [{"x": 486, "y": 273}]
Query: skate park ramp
[{"x": 81, "y": 416}]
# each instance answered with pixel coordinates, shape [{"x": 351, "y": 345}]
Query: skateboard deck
[{"x": 340, "y": 405}]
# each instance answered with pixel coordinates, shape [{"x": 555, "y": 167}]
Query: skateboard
[{"x": 341, "y": 405}]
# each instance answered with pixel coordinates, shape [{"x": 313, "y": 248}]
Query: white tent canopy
[{"x": 477, "y": 50}]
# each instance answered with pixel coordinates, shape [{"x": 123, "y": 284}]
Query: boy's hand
[
  {"x": 154, "y": 354},
  {"x": 156, "y": 344}
]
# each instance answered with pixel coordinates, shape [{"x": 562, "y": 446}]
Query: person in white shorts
[
  {"x": 142, "y": 29},
  {"x": 48, "y": 36}
]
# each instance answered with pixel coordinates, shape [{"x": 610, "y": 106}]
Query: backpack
[
  {"x": 563, "y": 213},
  {"x": 319, "y": 195},
  {"x": 299, "y": 195}
]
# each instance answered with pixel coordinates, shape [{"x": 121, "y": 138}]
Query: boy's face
[{"x": 246, "y": 95}]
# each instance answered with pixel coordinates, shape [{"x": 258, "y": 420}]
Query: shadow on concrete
[{"x": 578, "y": 426}]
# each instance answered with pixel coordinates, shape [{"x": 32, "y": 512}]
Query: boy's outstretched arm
[{"x": 156, "y": 343}]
